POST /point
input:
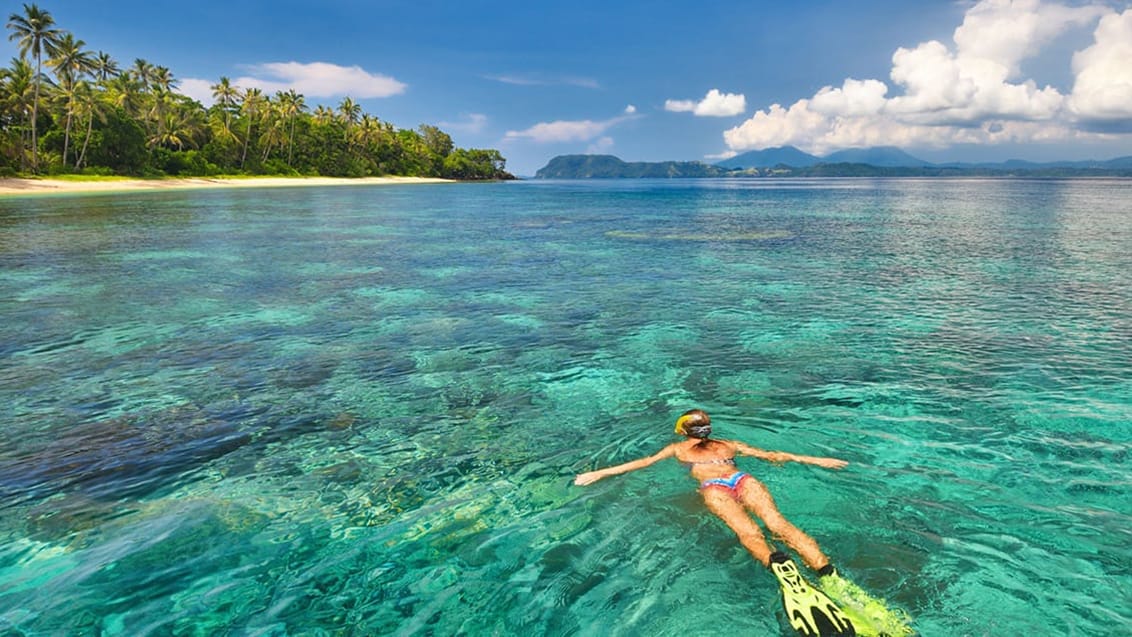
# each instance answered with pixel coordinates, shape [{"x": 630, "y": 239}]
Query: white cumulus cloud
[
  {"x": 313, "y": 79},
  {"x": 320, "y": 79},
  {"x": 855, "y": 97},
  {"x": 199, "y": 90},
  {"x": 970, "y": 92},
  {"x": 1102, "y": 93},
  {"x": 714, "y": 104}
]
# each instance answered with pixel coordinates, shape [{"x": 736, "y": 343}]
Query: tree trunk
[
  {"x": 35, "y": 115},
  {"x": 86, "y": 140},
  {"x": 291, "y": 144},
  {"x": 244, "y": 157},
  {"x": 67, "y": 137}
]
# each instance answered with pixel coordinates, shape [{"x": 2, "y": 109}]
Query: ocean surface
[{"x": 359, "y": 410}]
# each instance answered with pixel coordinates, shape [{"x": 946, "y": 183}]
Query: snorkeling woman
[{"x": 729, "y": 494}]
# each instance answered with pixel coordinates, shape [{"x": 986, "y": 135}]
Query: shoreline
[{"x": 20, "y": 186}]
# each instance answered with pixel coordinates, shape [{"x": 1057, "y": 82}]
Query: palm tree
[
  {"x": 177, "y": 128},
  {"x": 368, "y": 130},
  {"x": 142, "y": 72},
  {"x": 323, "y": 115},
  {"x": 91, "y": 105},
  {"x": 274, "y": 126},
  {"x": 161, "y": 100},
  {"x": 70, "y": 62},
  {"x": 350, "y": 112},
  {"x": 125, "y": 92},
  {"x": 161, "y": 86},
  {"x": 251, "y": 108},
  {"x": 291, "y": 104},
  {"x": 162, "y": 80},
  {"x": 17, "y": 90},
  {"x": 105, "y": 67},
  {"x": 226, "y": 97},
  {"x": 35, "y": 30},
  {"x": 221, "y": 127}
]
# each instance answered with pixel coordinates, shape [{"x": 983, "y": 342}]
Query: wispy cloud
[
  {"x": 569, "y": 130},
  {"x": 471, "y": 123},
  {"x": 561, "y": 131},
  {"x": 600, "y": 146},
  {"x": 714, "y": 104},
  {"x": 969, "y": 92},
  {"x": 727, "y": 154},
  {"x": 545, "y": 80}
]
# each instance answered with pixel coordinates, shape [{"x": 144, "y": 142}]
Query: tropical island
[
  {"x": 67, "y": 111},
  {"x": 791, "y": 162}
]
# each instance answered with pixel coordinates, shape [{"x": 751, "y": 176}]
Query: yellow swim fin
[
  {"x": 808, "y": 610},
  {"x": 871, "y": 616}
]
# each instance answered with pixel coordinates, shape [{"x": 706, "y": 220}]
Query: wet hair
[{"x": 694, "y": 423}]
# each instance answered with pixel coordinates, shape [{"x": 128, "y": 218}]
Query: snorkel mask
[{"x": 694, "y": 424}]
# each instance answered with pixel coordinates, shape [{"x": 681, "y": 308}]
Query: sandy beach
[{"x": 11, "y": 186}]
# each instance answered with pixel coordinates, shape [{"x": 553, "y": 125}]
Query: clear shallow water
[{"x": 314, "y": 410}]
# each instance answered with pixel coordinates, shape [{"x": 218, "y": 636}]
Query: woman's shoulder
[{"x": 706, "y": 448}]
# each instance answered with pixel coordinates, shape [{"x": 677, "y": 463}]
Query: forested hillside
[{"x": 65, "y": 108}]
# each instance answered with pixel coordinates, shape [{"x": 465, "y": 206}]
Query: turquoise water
[{"x": 358, "y": 410}]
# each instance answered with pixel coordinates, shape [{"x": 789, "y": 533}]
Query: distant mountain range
[
  {"x": 892, "y": 157},
  {"x": 610, "y": 167},
  {"x": 788, "y": 161}
]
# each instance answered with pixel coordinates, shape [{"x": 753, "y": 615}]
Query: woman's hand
[
  {"x": 828, "y": 463},
  {"x": 588, "y": 477}
]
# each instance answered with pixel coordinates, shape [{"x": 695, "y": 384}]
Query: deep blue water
[{"x": 358, "y": 410}]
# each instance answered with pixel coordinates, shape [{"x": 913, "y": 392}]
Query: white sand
[{"x": 48, "y": 186}]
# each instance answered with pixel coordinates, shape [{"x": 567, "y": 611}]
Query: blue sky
[{"x": 656, "y": 80}]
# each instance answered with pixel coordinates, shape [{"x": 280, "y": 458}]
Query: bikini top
[{"x": 692, "y": 463}]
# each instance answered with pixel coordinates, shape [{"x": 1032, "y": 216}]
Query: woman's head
[{"x": 694, "y": 423}]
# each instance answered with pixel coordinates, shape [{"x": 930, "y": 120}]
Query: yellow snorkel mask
[{"x": 694, "y": 424}]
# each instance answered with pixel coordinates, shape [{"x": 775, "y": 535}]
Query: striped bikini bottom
[{"x": 732, "y": 483}]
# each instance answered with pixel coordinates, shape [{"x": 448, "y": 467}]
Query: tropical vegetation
[{"x": 67, "y": 109}]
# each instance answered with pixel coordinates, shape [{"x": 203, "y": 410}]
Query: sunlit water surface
[{"x": 358, "y": 410}]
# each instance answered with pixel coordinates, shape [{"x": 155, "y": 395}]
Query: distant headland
[{"x": 788, "y": 161}]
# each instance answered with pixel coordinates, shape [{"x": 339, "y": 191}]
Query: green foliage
[
  {"x": 276, "y": 167},
  {"x": 93, "y": 116},
  {"x": 474, "y": 164},
  {"x": 189, "y": 163},
  {"x": 119, "y": 144},
  {"x": 437, "y": 141}
]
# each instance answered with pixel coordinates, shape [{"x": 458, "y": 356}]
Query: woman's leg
[
  {"x": 750, "y": 535},
  {"x": 757, "y": 498}
]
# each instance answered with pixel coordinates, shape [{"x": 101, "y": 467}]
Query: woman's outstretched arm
[
  {"x": 591, "y": 477},
  {"x": 782, "y": 456}
]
